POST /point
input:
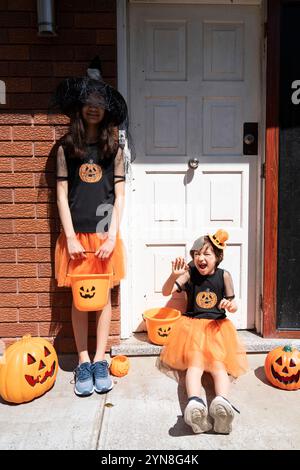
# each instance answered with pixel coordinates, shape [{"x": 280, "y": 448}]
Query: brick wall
[{"x": 31, "y": 67}]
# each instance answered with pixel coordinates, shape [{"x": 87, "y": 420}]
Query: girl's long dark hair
[{"x": 75, "y": 139}]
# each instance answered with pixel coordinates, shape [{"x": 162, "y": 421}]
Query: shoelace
[
  {"x": 100, "y": 369},
  {"x": 82, "y": 372}
]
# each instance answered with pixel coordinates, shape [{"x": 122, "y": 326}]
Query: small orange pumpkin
[
  {"x": 28, "y": 370},
  {"x": 282, "y": 367},
  {"x": 119, "y": 366}
]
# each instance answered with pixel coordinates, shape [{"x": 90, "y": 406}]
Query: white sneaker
[
  {"x": 222, "y": 412},
  {"x": 196, "y": 416}
]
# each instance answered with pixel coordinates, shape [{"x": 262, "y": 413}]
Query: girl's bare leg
[
  {"x": 193, "y": 381},
  {"x": 103, "y": 320},
  {"x": 221, "y": 410},
  {"x": 80, "y": 329},
  {"x": 221, "y": 380},
  {"x": 195, "y": 413}
]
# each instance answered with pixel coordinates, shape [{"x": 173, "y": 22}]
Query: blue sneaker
[
  {"x": 84, "y": 385},
  {"x": 102, "y": 379}
]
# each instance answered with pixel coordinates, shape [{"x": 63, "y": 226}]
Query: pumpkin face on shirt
[
  {"x": 206, "y": 299},
  {"x": 90, "y": 172}
]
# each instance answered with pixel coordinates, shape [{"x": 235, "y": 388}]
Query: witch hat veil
[{"x": 73, "y": 92}]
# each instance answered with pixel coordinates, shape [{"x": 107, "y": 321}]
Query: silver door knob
[{"x": 193, "y": 163}]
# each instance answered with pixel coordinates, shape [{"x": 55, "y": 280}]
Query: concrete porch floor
[{"x": 144, "y": 411}]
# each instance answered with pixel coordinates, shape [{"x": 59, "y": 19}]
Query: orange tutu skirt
[
  {"x": 206, "y": 344},
  {"x": 90, "y": 265}
]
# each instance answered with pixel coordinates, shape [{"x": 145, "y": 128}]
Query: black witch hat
[{"x": 72, "y": 93}]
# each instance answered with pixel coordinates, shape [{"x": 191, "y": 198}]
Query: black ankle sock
[{"x": 197, "y": 399}]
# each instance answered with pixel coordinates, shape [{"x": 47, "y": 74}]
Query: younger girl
[
  {"x": 90, "y": 198},
  {"x": 203, "y": 339}
]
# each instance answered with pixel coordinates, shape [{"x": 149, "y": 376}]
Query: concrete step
[{"x": 139, "y": 345}]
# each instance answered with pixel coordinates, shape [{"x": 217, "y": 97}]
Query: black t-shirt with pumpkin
[
  {"x": 204, "y": 293},
  {"x": 91, "y": 193}
]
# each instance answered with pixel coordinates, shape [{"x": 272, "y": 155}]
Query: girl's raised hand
[
  {"x": 179, "y": 267},
  {"x": 75, "y": 249}
]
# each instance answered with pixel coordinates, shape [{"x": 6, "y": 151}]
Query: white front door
[{"x": 194, "y": 82}]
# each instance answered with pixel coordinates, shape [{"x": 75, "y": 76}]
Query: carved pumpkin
[
  {"x": 206, "y": 299},
  {"x": 119, "y": 366},
  {"x": 29, "y": 370},
  {"x": 90, "y": 172},
  {"x": 282, "y": 367}
]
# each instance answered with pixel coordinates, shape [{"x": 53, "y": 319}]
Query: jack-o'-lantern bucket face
[
  {"x": 164, "y": 332},
  {"x": 90, "y": 291},
  {"x": 87, "y": 292},
  {"x": 282, "y": 368},
  {"x": 29, "y": 369},
  {"x": 160, "y": 322},
  {"x": 90, "y": 172}
]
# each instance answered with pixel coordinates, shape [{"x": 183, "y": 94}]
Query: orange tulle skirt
[
  {"x": 207, "y": 344},
  {"x": 92, "y": 264}
]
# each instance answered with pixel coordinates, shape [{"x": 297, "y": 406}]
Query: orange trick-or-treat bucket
[
  {"x": 90, "y": 291},
  {"x": 159, "y": 323}
]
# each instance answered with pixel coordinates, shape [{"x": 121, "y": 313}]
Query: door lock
[{"x": 250, "y": 138}]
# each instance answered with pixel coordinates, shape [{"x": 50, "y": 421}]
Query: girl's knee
[
  {"x": 195, "y": 370},
  {"x": 218, "y": 368}
]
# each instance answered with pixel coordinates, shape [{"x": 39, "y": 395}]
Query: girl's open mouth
[{"x": 202, "y": 265}]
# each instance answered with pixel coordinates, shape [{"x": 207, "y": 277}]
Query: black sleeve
[
  {"x": 61, "y": 165},
  {"x": 228, "y": 286},
  {"x": 119, "y": 160}
]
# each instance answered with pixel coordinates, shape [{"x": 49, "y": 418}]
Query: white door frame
[
  {"x": 126, "y": 287},
  {"x": 126, "y": 290}
]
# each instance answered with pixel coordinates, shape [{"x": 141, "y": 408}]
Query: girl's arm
[
  {"x": 178, "y": 277},
  {"x": 228, "y": 302},
  {"x": 119, "y": 181},
  {"x": 74, "y": 246}
]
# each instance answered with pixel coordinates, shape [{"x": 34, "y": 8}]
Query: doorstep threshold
[{"x": 139, "y": 345}]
